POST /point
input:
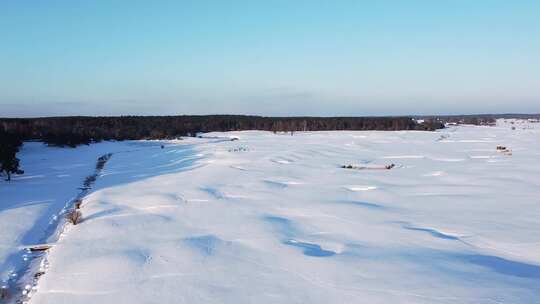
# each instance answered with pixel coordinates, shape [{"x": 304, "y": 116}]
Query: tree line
[
  {"x": 479, "y": 120},
  {"x": 72, "y": 130}
]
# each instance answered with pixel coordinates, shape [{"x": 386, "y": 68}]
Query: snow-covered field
[{"x": 273, "y": 218}]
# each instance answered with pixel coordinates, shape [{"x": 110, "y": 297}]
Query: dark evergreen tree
[{"x": 9, "y": 146}]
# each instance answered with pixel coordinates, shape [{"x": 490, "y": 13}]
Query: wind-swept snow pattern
[
  {"x": 25, "y": 260},
  {"x": 282, "y": 222}
]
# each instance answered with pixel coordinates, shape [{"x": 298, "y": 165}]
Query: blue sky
[{"x": 288, "y": 57}]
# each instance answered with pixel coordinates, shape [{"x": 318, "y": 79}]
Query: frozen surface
[{"x": 272, "y": 218}]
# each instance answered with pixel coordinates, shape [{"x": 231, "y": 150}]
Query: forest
[{"x": 71, "y": 131}]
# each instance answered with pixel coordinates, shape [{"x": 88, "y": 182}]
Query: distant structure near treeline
[
  {"x": 71, "y": 131},
  {"x": 475, "y": 119}
]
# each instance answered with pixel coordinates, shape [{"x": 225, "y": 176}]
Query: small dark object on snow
[
  {"x": 74, "y": 216},
  {"x": 3, "y": 293},
  {"x": 38, "y": 274},
  {"x": 239, "y": 149},
  {"x": 234, "y": 139},
  {"x": 38, "y": 248},
  {"x": 376, "y": 167},
  {"x": 504, "y": 150},
  {"x": 162, "y": 147}
]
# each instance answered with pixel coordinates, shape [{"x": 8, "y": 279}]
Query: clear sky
[{"x": 289, "y": 57}]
